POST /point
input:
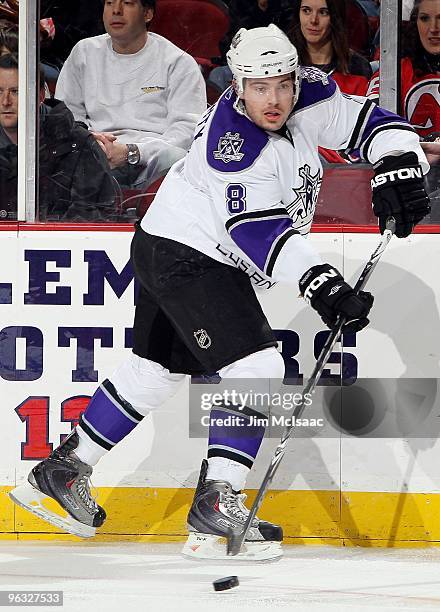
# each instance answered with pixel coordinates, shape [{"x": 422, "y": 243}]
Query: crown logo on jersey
[
  {"x": 228, "y": 148},
  {"x": 203, "y": 340},
  {"x": 312, "y": 74},
  {"x": 302, "y": 207}
]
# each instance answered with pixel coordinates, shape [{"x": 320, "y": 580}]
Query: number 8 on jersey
[{"x": 235, "y": 198}]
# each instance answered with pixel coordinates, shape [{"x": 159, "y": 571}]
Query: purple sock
[
  {"x": 108, "y": 417},
  {"x": 235, "y": 434}
]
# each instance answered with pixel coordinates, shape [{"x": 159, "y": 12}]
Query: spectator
[
  {"x": 247, "y": 14},
  {"x": 318, "y": 32},
  {"x": 420, "y": 69},
  {"x": 75, "y": 179},
  {"x": 9, "y": 44},
  {"x": 8, "y": 37},
  {"x": 420, "y": 88},
  {"x": 9, "y": 10},
  {"x": 139, "y": 94},
  {"x": 257, "y": 14}
]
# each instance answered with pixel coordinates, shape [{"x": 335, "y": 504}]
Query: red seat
[
  {"x": 196, "y": 26},
  {"x": 360, "y": 28},
  {"x": 138, "y": 200},
  {"x": 345, "y": 196}
]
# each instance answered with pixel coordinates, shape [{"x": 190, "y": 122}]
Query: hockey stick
[{"x": 236, "y": 537}]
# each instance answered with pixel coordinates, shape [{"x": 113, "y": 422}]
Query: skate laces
[
  {"x": 234, "y": 504},
  {"x": 83, "y": 485}
]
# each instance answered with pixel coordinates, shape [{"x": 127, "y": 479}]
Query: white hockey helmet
[{"x": 262, "y": 52}]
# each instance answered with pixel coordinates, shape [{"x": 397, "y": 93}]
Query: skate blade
[
  {"x": 31, "y": 499},
  {"x": 208, "y": 546}
]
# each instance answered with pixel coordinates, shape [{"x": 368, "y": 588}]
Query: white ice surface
[{"x": 125, "y": 577}]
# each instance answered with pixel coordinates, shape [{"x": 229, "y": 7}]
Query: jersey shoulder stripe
[
  {"x": 234, "y": 142},
  {"x": 316, "y": 87}
]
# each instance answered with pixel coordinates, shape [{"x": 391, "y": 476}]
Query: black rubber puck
[{"x": 223, "y": 584}]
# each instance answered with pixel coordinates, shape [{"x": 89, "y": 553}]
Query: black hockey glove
[
  {"x": 327, "y": 292},
  {"x": 399, "y": 192}
]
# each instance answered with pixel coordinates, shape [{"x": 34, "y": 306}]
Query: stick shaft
[{"x": 235, "y": 540}]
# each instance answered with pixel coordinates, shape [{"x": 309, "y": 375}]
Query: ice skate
[
  {"x": 64, "y": 478},
  {"x": 217, "y": 508}
]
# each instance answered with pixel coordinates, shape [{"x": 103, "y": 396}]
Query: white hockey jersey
[{"x": 246, "y": 196}]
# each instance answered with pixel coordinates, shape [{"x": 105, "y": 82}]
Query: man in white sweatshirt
[{"x": 138, "y": 93}]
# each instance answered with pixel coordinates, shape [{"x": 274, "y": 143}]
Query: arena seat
[
  {"x": 196, "y": 26},
  {"x": 135, "y": 202},
  {"x": 345, "y": 196},
  {"x": 361, "y": 27}
]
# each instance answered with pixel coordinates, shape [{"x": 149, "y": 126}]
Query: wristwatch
[{"x": 133, "y": 155}]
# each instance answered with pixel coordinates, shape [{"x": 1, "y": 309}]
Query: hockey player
[{"x": 235, "y": 212}]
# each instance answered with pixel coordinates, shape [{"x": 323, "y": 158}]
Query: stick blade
[
  {"x": 234, "y": 541},
  {"x": 391, "y": 225}
]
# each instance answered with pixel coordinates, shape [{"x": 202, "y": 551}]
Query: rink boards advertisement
[{"x": 67, "y": 303}]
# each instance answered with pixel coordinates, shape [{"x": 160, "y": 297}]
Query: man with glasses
[{"x": 75, "y": 183}]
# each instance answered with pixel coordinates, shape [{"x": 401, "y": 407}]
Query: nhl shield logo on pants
[{"x": 203, "y": 340}]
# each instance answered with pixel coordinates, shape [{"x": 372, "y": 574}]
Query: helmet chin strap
[
  {"x": 239, "y": 104},
  {"x": 240, "y": 107}
]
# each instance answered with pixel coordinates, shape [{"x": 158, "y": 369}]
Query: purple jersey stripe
[
  {"x": 316, "y": 87},
  {"x": 234, "y": 142},
  {"x": 256, "y": 237},
  {"x": 380, "y": 117}
]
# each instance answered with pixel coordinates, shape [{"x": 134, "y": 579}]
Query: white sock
[
  {"x": 88, "y": 451},
  {"x": 220, "y": 468}
]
